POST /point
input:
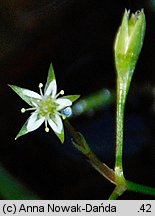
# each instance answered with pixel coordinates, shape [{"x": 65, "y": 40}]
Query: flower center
[{"x": 47, "y": 106}]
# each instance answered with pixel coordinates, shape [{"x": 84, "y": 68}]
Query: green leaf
[
  {"x": 50, "y": 77},
  {"x": 19, "y": 92},
  {"x": 11, "y": 189},
  {"x": 22, "y": 131},
  {"x": 71, "y": 97}
]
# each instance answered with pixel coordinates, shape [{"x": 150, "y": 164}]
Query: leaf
[
  {"x": 11, "y": 189},
  {"x": 50, "y": 77}
]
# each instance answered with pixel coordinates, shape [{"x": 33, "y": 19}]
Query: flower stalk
[
  {"x": 127, "y": 47},
  {"x": 120, "y": 106},
  {"x": 80, "y": 143}
]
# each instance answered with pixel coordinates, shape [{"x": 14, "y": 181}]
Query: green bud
[{"x": 128, "y": 42}]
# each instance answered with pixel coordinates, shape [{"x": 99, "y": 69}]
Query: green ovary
[{"x": 47, "y": 107}]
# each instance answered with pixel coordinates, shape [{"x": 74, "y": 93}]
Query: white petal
[
  {"x": 32, "y": 118},
  {"x": 58, "y": 121},
  {"x": 31, "y": 94},
  {"x": 63, "y": 103},
  {"x": 34, "y": 103},
  {"x": 56, "y": 125},
  {"x": 51, "y": 89},
  {"x": 33, "y": 123}
]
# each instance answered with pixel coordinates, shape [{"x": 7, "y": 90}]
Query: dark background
[{"x": 77, "y": 37}]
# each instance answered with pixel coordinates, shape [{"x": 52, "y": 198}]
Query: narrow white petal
[
  {"x": 33, "y": 123},
  {"x": 51, "y": 89},
  {"x": 32, "y": 119},
  {"x": 56, "y": 124},
  {"x": 36, "y": 125},
  {"x": 63, "y": 103},
  {"x": 58, "y": 121},
  {"x": 31, "y": 94},
  {"x": 34, "y": 103}
]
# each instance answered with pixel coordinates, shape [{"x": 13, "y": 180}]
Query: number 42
[{"x": 145, "y": 208}]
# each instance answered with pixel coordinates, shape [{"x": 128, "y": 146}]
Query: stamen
[
  {"x": 47, "y": 129},
  {"x": 23, "y": 110},
  {"x": 40, "y": 88},
  {"x": 62, "y": 115},
  {"x": 60, "y": 93}
]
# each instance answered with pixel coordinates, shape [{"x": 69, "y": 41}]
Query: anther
[
  {"x": 47, "y": 129},
  {"x": 63, "y": 117},
  {"x": 23, "y": 110},
  {"x": 40, "y": 88},
  {"x": 62, "y": 92},
  {"x": 40, "y": 85}
]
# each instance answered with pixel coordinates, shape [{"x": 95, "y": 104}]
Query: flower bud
[{"x": 128, "y": 42}]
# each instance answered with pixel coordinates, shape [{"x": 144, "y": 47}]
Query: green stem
[
  {"x": 121, "y": 99},
  {"x": 82, "y": 145},
  {"x": 76, "y": 136},
  {"x": 118, "y": 191},
  {"x": 114, "y": 195},
  {"x": 131, "y": 186},
  {"x": 114, "y": 177},
  {"x": 102, "y": 168}
]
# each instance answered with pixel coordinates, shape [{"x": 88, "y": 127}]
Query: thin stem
[
  {"x": 131, "y": 186},
  {"x": 121, "y": 99},
  {"x": 82, "y": 145},
  {"x": 121, "y": 184},
  {"x": 118, "y": 191},
  {"x": 76, "y": 136},
  {"x": 114, "y": 195},
  {"x": 102, "y": 168}
]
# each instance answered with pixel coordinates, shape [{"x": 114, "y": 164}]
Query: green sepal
[
  {"x": 128, "y": 43},
  {"x": 121, "y": 39},
  {"x": 61, "y": 136},
  {"x": 50, "y": 76},
  {"x": 19, "y": 92},
  {"x": 22, "y": 131},
  {"x": 81, "y": 145},
  {"x": 71, "y": 97}
]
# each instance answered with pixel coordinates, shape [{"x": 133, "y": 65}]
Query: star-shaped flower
[{"x": 46, "y": 106}]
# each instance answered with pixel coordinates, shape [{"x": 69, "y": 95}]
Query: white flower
[{"x": 46, "y": 106}]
